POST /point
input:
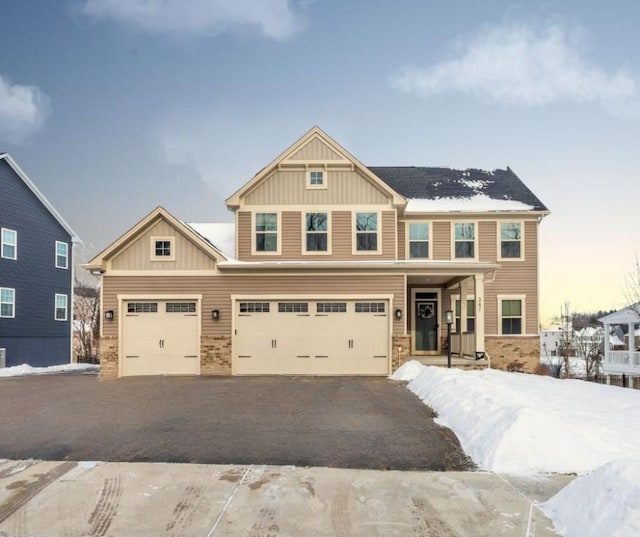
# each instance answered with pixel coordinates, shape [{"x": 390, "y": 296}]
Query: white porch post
[
  {"x": 463, "y": 317},
  {"x": 607, "y": 344},
  {"x": 632, "y": 337},
  {"x": 479, "y": 294}
]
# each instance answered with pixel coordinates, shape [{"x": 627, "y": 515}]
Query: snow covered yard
[
  {"x": 522, "y": 424},
  {"x": 25, "y": 369}
]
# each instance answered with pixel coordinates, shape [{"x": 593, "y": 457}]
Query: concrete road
[
  {"x": 339, "y": 422},
  {"x": 68, "y": 499}
]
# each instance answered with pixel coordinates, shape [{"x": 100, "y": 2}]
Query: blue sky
[{"x": 116, "y": 106}]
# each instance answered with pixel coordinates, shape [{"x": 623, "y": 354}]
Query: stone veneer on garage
[
  {"x": 108, "y": 357},
  {"x": 400, "y": 351},
  {"x": 506, "y": 350},
  {"x": 215, "y": 355}
]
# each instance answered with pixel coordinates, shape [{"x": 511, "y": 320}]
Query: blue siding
[{"x": 33, "y": 336}]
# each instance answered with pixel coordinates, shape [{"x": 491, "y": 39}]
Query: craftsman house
[
  {"x": 36, "y": 274},
  {"x": 330, "y": 268}
]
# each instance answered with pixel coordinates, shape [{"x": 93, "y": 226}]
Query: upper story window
[
  {"x": 464, "y": 240},
  {"x": 9, "y": 249},
  {"x": 366, "y": 231},
  {"x": 163, "y": 249},
  {"x": 62, "y": 255},
  {"x": 418, "y": 240},
  {"x": 316, "y": 232},
  {"x": 511, "y": 315},
  {"x": 510, "y": 240},
  {"x": 7, "y": 302},
  {"x": 266, "y": 232},
  {"x": 61, "y": 307},
  {"x": 316, "y": 178}
]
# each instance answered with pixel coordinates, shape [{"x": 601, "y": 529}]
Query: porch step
[{"x": 458, "y": 363}]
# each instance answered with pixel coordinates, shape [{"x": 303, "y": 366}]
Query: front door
[{"x": 425, "y": 323}]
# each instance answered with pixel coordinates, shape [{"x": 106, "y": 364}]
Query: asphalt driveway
[{"x": 338, "y": 422}]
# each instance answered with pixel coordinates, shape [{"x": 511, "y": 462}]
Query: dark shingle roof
[{"x": 432, "y": 183}]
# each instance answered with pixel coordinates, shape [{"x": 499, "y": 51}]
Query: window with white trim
[
  {"x": 418, "y": 240},
  {"x": 316, "y": 232},
  {"x": 331, "y": 307},
  {"x": 464, "y": 239},
  {"x": 266, "y": 232},
  {"x": 142, "y": 307},
  {"x": 9, "y": 249},
  {"x": 471, "y": 315},
  {"x": 62, "y": 255},
  {"x": 316, "y": 179},
  {"x": 293, "y": 307},
  {"x": 180, "y": 307},
  {"x": 7, "y": 302},
  {"x": 510, "y": 240},
  {"x": 163, "y": 249},
  {"x": 366, "y": 226},
  {"x": 511, "y": 315},
  {"x": 61, "y": 307},
  {"x": 254, "y": 307},
  {"x": 370, "y": 307}
]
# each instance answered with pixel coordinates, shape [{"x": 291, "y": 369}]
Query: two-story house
[
  {"x": 36, "y": 273},
  {"x": 336, "y": 268}
]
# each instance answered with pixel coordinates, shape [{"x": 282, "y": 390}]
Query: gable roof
[
  {"x": 315, "y": 133},
  {"x": 97, "y": 263},
  {"x": 446, "y": 183},
  {"x": 623, "y": 316},
  {"x": 25, "y": 179}
]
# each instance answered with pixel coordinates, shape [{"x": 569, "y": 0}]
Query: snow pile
[
  {"x": 25, "y": 369},
  {"x": 476, "y": 203},
  {"x": 606, "y": 502},
  {"x": 527, "y": 424}
]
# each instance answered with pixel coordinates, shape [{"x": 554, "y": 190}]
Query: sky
[{"x": 113, "y": 107}]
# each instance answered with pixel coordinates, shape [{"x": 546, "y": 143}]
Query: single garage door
[
  {"x": 160, "y": 337},
  {"x": 311, "y": 337}
]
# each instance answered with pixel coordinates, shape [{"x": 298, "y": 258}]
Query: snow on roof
[
  {"x": 221, "y": 235},
  {"x": 476, "y": 203}
]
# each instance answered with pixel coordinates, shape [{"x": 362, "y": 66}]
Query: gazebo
[{"x": 622, "y": 361}]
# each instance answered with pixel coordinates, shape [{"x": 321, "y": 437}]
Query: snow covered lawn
[
  {"x": 526, "y": 425},
  {"x": 24, "y": 369}
]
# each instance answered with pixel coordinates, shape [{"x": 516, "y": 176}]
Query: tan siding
[
  {"x": 402, "y": 227},
  {"x": 243, "y": 238},
  {"x": 289, "y": 187},
  {"x": 441, "y": 241},
  {"x": 217, "y": 291},
  {"x": 291, "y": 234},
  {"x": 487, "y": 240},
  {"x": 316, "y": 150},
  {"x": 137, "y": 256}
]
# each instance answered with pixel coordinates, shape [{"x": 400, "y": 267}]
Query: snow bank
[
  {"x": 527, "y": 424},
  {"x": 25, "y": 369},
  {"x": 606, "y": 502}
]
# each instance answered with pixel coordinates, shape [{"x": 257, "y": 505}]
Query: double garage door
[
  {"x": 160, "y": 337},
  {"x": 311, "y": 337}
]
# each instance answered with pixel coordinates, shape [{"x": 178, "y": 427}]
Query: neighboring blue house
[{"x": 36, "y": 273}]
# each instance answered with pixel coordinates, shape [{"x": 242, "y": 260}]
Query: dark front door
[{"x": 426, "y": 325}]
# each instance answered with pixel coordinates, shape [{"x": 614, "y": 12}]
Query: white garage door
[
  {"x": 311, "y": 337},
  {"x": 160, "y": 338}
]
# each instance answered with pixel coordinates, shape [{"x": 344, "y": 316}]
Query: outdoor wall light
[
  {"x": 215, "y": 314},
  {"x": 108, "y": 315},
  {"x": 448, "y": 317},
  {"x": 398, "y": 314}
]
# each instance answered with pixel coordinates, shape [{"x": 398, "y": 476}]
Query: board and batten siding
[
  {"x": 291, "y": 228},
  {"x": 289, "y": 187},
  {"x": 316, "y": 150},
  {"x": 137, "y": 256},
  {"x": 217, "y": 290}
]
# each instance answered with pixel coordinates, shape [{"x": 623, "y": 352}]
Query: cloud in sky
[
  {"x": 276, "y": 19},
  {"x": 23, "y": 110},
  {"x": 518, "y": 64}
]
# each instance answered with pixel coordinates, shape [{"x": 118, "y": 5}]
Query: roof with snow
[
  {"x": 464, "y": 190},
  {"x": 220, "y": 235}
]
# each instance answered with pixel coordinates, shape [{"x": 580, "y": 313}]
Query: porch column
[
  {"x": 632, "y": 337},
  {"x": 463, "y": 318},
  {"x": 607, "y": 344},
  {"x": 479, "y": 291}
]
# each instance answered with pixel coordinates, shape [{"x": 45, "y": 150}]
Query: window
[
  {"x": 266, "y": 226},
  {"x": 471, "y": 315},
  {"x": 9, "y": 244},
  {"x": 418, "y": 240},
  {"x": 163, "y": 249},
  {"x": 293, "y": 307},
  {"x": 464, "y": 240},
  {"x": 369, "y": 307},
  {"x": 61, "y": 307},
  {"x": 317, "y": 237},
  {"x": 62, "y": 255},
  {"x": 7, "y": 302},
  {"x": 254, "y": 307},
  {"x": 316, "y": 179},
  {"x": 142, "y": 307},
  {"x": 331, "y": 307},
  {"x": 181, "y": 307},
  {"x": 511, "y": 315},
  {"x": 367, "y": 232},
  {"x": 510, "y": 240}
]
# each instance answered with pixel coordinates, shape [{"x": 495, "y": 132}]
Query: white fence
[{"x": 622, "y": 362}]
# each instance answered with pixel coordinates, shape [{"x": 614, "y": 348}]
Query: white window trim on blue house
[
  {"x": 9, "y": 239},
  {"x": 61, "y": 303},
  {"x": 8, "y": 296},
  {"x": 62, "y": 256}
]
